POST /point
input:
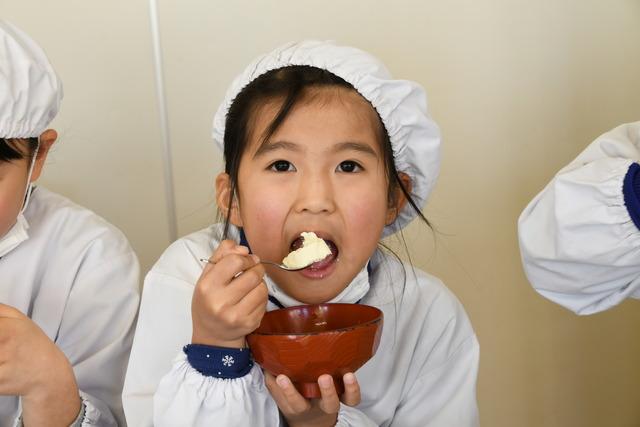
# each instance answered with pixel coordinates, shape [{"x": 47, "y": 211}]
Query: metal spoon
[{"x": 280, "y": 266}]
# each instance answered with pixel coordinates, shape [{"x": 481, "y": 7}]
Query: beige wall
[
  {"x": 107, "y": 157},
  {"x": 518, "y": 88}
]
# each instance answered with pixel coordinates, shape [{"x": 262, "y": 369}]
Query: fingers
[
  {"x": 285, "y": 394},
  {"x": 10, "y": 312},
  {"x": 329, "y": 402},
  {"x": 255, "y": 296},
  {"x": 270, "y": 381},
  {"x": 231, "y": 259},
  {"x": 244, "y": 285},
  {"x": 252, "y": 307},
  {"x": 225, "y": 270},
  {"x": 297, "y": 403},
  {"x": 226, "y": 247},
  {"x": 351, "y": 396},
  {"x": 231, "y": 276}
]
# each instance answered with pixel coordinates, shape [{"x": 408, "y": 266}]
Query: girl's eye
[
  {"x": 282, "y": 166},
  {"x": 349, "y": 166}
]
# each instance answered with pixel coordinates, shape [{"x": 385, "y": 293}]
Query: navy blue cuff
[
  {"x": 219, "y": 362},
  {"x": 631, "y": 193}
]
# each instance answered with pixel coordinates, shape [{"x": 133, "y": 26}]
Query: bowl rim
[{"x": 377, "y": 319}]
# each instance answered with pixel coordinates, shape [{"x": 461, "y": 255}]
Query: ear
[
  {"x": 47, "y": 139},
  {"x": 227, "y": 201},
  {"x": 397, "y": 200}
]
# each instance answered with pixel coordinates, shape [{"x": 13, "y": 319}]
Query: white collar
[{"x": 15, "y": 236}]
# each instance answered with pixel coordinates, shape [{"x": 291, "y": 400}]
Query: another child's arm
[
  {"x": 97, "y": 327},
  {"x": 579, "y": 237},
  {"x": 32, "y": 367},
  {"x": 94, "y": 336}
]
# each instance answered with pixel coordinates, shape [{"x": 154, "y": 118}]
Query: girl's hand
[
  {"x": 300, "y": 411},
  {"x": 33, "y": 367},
  {"x": 226, "y": 305}
]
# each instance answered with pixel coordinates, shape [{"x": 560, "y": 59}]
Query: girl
[
  {"x": 316, "y": 137},
  {"x": 580, "y": 238},
  {"x": 68, "y": 279}
]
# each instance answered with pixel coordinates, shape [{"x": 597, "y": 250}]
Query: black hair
[
  {"x": 290, "y": 84},
  {"x": 17, "y": 149}
]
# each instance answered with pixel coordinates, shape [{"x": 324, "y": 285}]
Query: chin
[{"x": 314, "y": 292}]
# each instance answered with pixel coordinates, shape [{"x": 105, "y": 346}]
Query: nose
[{"x": 315, "y": 194}]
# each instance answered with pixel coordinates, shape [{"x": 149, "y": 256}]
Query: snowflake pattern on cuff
[
  {"x": 219, "y": 362},
  {"x": 227, "y": 360}
]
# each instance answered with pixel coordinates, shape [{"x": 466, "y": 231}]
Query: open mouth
[{"x": 323, "y": 263}]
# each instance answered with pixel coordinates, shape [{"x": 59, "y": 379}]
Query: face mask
[
  {"x": 15, "y": 236},
  {"x": 18, "y": 233}
]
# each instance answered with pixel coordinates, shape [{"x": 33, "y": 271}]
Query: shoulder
[
  {"x": 395, "y": 281},
  {"x": 430, "y": 292},
  {"x": 62, "y": 222},
  {"x": 429, "y": 296},
  {"x": 422, "y": 306}
]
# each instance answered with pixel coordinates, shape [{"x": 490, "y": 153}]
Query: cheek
[
  {"x": 10, "y": 204},
  {"x": 263, "y": 218},
  {"x": 263, "y": 206},
  {"x": 269, "y": 213},
  {"x": 366, "y": 214}
]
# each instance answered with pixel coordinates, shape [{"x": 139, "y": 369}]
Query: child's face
[
  {"x": 14, "y": 175},
  {"x": 13, "y": 181},
  {"x": 321, "y": 171}
]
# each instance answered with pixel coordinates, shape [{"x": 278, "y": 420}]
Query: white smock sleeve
[
  {"x": 580, "y": 246},
  {"x": 97, "y": 328},
  {"x": 161, "y": 388},
  {"x": 186, "y": 397}
]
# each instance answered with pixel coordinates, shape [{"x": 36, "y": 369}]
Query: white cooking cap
[
  {"x": 30, "y": 90},
  {"x": 401, "y": 104}
]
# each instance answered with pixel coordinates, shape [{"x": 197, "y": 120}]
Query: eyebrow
[
  {"x": 354, "y": 146},
  {"x": 268, "y": 147}
]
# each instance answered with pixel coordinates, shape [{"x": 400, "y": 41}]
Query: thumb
[{"x": 10, "y": 312}]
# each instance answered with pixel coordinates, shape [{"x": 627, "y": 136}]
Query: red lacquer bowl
[{"x": 307, "y": 341}]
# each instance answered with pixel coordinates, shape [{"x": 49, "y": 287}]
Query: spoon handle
[{"x": 280, "y": 266}]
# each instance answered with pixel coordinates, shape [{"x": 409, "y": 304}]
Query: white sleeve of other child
[
  {"x": 579, "y": 245},
  {"x": 96, "y": 333}
]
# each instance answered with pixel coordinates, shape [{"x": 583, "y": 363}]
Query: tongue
[
  {"x": 318, "y": 265},
  {"x": 297, "y": 244}
]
